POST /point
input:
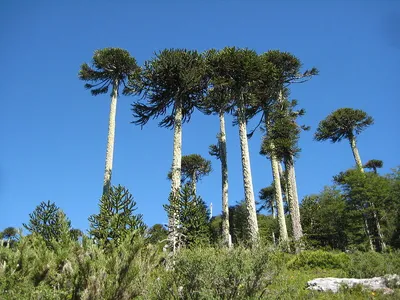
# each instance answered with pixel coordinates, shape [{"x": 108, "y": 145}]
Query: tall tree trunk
[
  {"x": 247, "y": 179},
  {"x": 356, "y": 155},
  {"x": 176, "y": 169},
  {"x": 110, "y": 138},
  {"x": 227, "y": 240},
  {"x": 194, "y": 183},
  {"x": 357, "y": 158},
  {"x": 285, "y": 185},
  {"x": 283, "y": 235},
  {"x": 293, "y": 200}
]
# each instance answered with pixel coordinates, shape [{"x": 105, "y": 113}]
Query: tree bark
[
  {"x": 356, "y": 155},
  {"x": 283, "y": 235},
  {"x": 247, "y": 179},
  {"x": 285, "y": 185},
  {"x": 293, "y": 200},
  {"x": 176, "y": 169},
  {"x": 224, "y": 172},
  {"x": 110, "y": 138},
  {"x": 194, "y": 183}
]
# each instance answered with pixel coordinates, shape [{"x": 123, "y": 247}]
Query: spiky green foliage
[
  {"x": 109, "y": 66},
  {"x": 116, "y": 217},
  {"x": 374, "y": 164},
  {"x": 233, "y": 73},
  {"x": 267, "y": 197},
  {"x": 48, "y": 221},
  {"x": 192, "y": 218},
  {"x": 283, "y": 131},
  {"x": 193, "y": 168},
  {"x": 173, "y": 75},
  {"x": 218, "y": 98},
  {"x": 344, "y": 123}
]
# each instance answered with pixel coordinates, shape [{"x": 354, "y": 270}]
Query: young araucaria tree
[{"x": 110, "y": 67}]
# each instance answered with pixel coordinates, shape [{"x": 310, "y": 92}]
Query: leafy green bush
[
  {"x": 371, "y": 264},
  {"x": 210, "y": 273},
  {"x": 319, "y": 259}
]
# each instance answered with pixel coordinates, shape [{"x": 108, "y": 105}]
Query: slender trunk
[
  {"x": 283, "y": 235},
  {"x": 176, "y": 169},
  {"x": 293, "y": 200},
  {"x": 368, "y": 233},
  {"x": 194, "y": 182},
  {"x": 247, "y": 179},
  {"x": 224, "y": 172},
  {"x": 110, "y": 138},
  {"x": 378, "y": 229},
  {"x": 285, "y": 185},
  {"x": 356, "y": 155}
]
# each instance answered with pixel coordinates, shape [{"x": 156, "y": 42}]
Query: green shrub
[
  {"x": 209, "y": 273},
  {"x": 371, "y": 264},
  {"x": 319, "y": 259}
]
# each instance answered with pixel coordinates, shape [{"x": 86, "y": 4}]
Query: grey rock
[{"x": 332, "y": 284}]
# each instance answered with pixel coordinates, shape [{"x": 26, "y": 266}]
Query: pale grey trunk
[
  {"x": 227, "y": 240},
  {"x": 285, "y": 185},
  {"x": 293, "y": 200},
  {"x": 247, "y": 179},
  {"x": 355, "y": 153},
  {"x": 176, "y": 169},
  {"x": 110, "y": 138},
  {"x": 194, "y": 183},
  {"x": 283, "y": 235}
]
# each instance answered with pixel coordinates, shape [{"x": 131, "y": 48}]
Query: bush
[
  {"x": 371, "y": 264},
  {"x": 319, "y": 259},
  {"x": 210, "y": 273}
]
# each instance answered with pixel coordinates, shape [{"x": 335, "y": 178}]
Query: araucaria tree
[
  {"x": 236, "y": 70},
  {"x": 116, "y": 218},
  {"x": 172, "y": 84},
  {"x": 344, "y": 123},
  {"x": 193, "y": 168},
  {"x": 110, "y": 67},
  {"x": 218, "y": 101},
  {"x": 280, "y": 140},
  {"x": 48, "y": 220},
  {"x": 347, "y": 123},
  {"x": 193, "y": 223}
]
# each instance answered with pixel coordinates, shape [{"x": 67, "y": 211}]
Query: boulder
[{"x": 332, "y": 284}]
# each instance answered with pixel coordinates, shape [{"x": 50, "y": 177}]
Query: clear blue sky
[{"x": 54, "y": 132}]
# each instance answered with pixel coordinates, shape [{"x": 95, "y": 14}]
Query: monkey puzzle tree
[
  {"x": 110, "y": 67},
  {"x": 172, "y": 83},
  {"x": 48, "y": 220},
  {"x": 235, "y": 71},
  {"x": 218, "y": 101},
  {"x": 193, "y": 168},
  {"x": 344, "y": 123},
  {"x": 116, "y": 217},
  {"x": 281, "y": 70},
  {"x": 374, "y": 164},
  {"x": 347, "y": 123}
]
